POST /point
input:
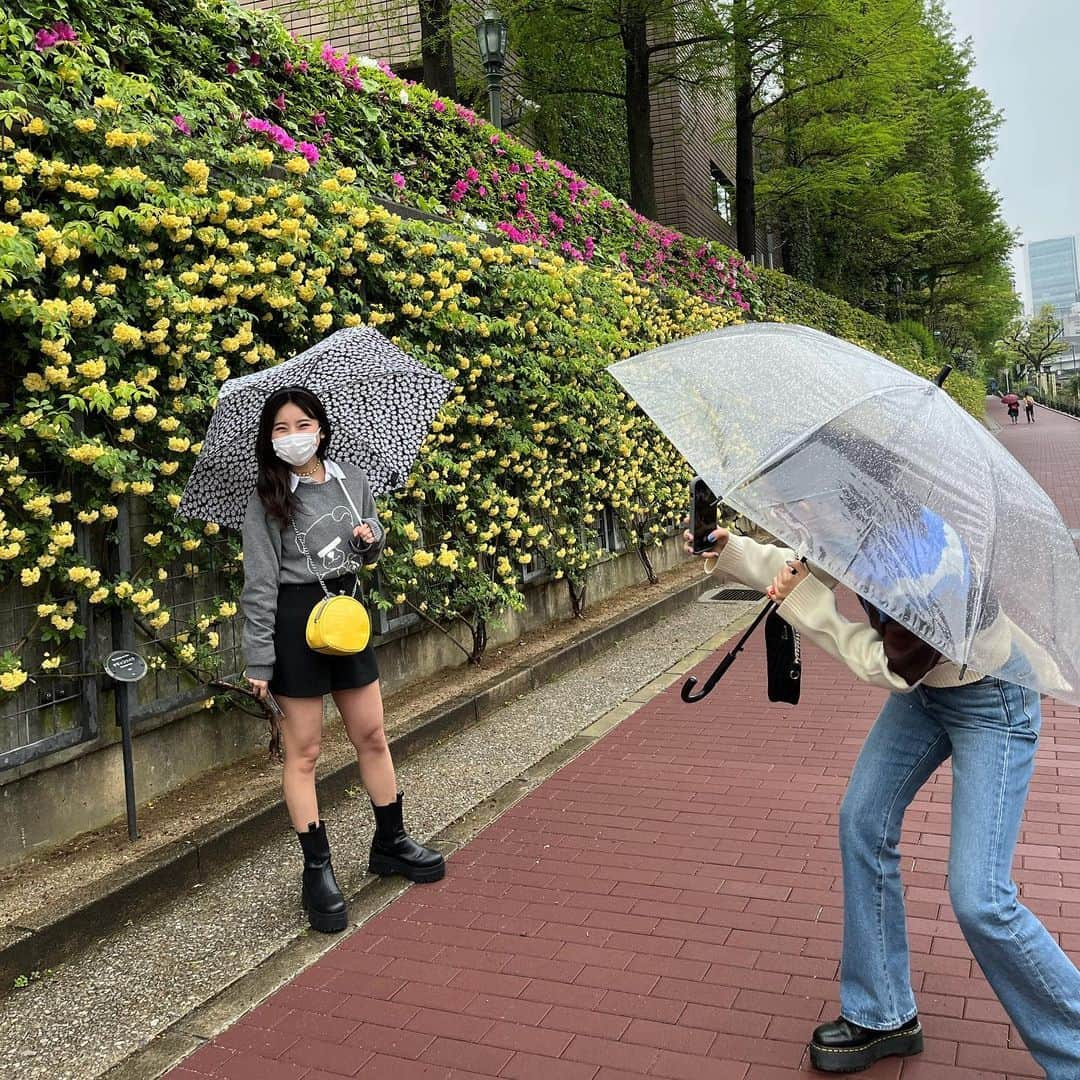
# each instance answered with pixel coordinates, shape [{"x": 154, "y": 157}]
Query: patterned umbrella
[{"x": 380, "y": 403}]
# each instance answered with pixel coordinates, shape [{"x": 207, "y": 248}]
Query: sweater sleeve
[
  {"x": 751, "y": 563},
  {"x": 811, "y": 608},
  {"x": 262, "y": 568}
]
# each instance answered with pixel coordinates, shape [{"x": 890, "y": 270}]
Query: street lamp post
[{"x": 491, "y": 39}]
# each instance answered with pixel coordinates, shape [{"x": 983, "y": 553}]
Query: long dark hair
[{"x": 273, "y": 484}]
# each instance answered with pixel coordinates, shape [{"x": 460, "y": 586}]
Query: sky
[{"x": 1028, "y": 59}]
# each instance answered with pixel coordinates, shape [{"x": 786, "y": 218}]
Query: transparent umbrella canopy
[{"x": 879, "y": 478}]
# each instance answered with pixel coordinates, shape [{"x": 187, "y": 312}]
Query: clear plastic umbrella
[{"x": 879, "y": 478}]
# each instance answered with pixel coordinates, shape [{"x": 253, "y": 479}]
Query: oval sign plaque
[{"x": 125, "y": 666}]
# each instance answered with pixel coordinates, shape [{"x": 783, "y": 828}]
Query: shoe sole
[
  {"x": 326, "y": 922},
  {"x": 838, "y": 1060},
  {"x": 385, "y": 867}
]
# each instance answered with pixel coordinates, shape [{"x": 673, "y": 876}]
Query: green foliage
[{"x": 147, "y": 265}]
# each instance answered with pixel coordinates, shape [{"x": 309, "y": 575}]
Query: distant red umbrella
[{"x": 1011, "y": 399}]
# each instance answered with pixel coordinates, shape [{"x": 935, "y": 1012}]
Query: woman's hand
[
  {"x": 718, "y": 538},
  {"x": 260, "y": 687},
  {"x": 785, "y": 582},
  {"x": 364, "y": 533}
]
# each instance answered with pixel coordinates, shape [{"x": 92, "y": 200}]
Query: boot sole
[
  {"x": 326, "y": 922},
  {"x": 383, "y": 866},
  {"x": 838, "y": 1060}
]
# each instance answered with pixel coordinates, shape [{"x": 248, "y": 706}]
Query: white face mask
[{"x": 296, "y": 449}]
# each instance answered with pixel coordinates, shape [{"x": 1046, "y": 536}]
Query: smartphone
[{"x": 703, "y": 514}]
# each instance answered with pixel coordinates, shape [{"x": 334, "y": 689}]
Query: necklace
[{"x": 309, "y": 472}]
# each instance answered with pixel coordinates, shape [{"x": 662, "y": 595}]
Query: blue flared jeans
[{"x": 990, "y": 729}]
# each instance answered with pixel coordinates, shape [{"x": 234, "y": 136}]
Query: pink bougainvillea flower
[
  {"x": 232, "y": 67},
  {"x": 279, "y": 101},
  {"x": 472, "y": 175},
  {"x": 309, "y": 151},
  {"x": 303, "y": 66},
  {"x": 289, "y": 68},
  {"x": 254, "y": 59},
  {"x": 324, "y": 138},
  {"x": 57, "y": 34},
  {"x": 181, "y": 124},
  {"x": 319, "y": 119},
  {"x": 397, "y": 180},
  {"x": 439, "y": 105}
]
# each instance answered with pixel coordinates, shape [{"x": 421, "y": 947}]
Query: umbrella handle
[{"x": 688, "y": 694}]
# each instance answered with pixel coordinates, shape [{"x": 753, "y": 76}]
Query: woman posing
[
  {"x": 990, "y": 730},
  {"x": 314, "y": 520}
]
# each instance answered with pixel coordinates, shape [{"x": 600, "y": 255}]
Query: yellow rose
[
  {"x": 422, "y": 559},
  {"x": 152, "y": 539},
  {"x": 12, "y": 680},
  {"x": 30, "y": 576}
]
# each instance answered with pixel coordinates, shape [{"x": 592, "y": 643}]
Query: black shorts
[{"x": 300, "y": 672}]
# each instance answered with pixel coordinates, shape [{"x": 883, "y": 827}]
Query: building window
[
  {"x": 723, "y": 195},
  {"x": 608, "y": 527},
  {"x": 397, "y": 617},
  {"x": 535, "y": 570}
]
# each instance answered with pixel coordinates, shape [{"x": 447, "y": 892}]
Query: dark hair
[{"x": 273, "y": 484}]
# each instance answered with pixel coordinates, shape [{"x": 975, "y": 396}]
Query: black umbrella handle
[{"x": 721, "y": 669}]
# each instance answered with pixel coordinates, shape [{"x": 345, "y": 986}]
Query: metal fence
[{"x": 73, "y": 703}]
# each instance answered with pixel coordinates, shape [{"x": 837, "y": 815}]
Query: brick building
[{"x": 693, "y": 153}]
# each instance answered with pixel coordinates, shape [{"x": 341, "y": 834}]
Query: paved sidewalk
[{"x": 668, "y": 904}]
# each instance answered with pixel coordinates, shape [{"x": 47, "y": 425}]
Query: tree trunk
[
  {"x": 650, "y": 572},
  {"x": 577, "y": 599},
  {"x": 479, "y": 637},
  {"x": 639, "y": 138},
  {"x": 743, "y": 71},
  {"x": 437, "y": 47}
]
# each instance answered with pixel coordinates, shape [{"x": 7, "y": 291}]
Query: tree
[
  {"x": 649, "y": 42},
  {"x": 878, "y": 187},
  {"x": 1030, "y": 343}
]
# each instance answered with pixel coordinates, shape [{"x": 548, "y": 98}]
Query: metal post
[
  {"x": 123, "y": 629},
  {"x": 494, "y": 81}
]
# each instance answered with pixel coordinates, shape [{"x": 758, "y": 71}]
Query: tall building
[{"x": 1052, "y": 274}]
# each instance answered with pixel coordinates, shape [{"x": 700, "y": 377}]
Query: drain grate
[{"x": 726, "y": 595}]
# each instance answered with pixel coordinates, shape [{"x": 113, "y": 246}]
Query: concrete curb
[{"x": 54, "y": 931}]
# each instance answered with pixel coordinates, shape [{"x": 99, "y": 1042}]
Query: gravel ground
[{"x": 107, "y": 1002}]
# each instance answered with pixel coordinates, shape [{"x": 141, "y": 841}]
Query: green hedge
[{"x": 159, "y": 233}]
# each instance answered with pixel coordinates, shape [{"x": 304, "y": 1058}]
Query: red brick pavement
[{"x": 669, "y": 905}]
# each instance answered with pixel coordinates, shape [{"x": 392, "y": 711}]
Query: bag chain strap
[{"x": 303, "y": 548}]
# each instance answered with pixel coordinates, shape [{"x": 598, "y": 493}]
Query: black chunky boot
[
  {"x": 394, "y": 851},
  {"x": 321, "y": 896},
  {"x": 842, "y": 1047}
]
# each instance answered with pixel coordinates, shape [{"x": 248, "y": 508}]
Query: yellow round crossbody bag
[{"x": 338, "y": 625}]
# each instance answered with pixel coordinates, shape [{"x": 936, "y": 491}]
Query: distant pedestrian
[
  {"x": 1029, "y": 408},
  {"x": 1014, "y": 412}
]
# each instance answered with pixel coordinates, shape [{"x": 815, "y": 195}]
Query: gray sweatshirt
[{"x": 273, "y": 556}]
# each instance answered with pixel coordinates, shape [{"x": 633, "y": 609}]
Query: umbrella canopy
[
  {"x": 882, "y": 480},
  {"x": 1011, "y": 399},
  {"x": 380, "y": 403}
]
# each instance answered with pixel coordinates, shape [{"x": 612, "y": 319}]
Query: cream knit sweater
[{"x": 811, "y": 608}]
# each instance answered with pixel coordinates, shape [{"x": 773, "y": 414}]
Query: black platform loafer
[{"x": 843, "y": 1047}]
